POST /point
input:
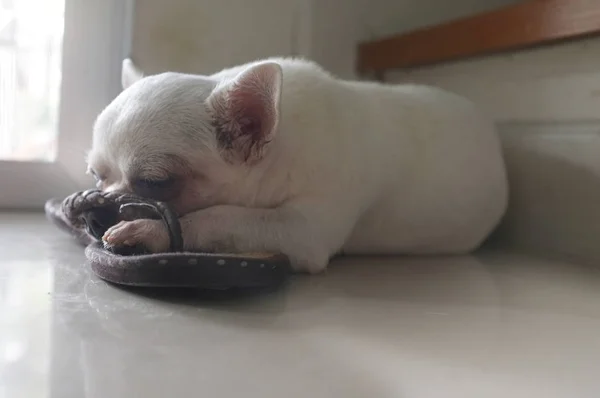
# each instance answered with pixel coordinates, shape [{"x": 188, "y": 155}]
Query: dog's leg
[{"x": 308, "y": 234}]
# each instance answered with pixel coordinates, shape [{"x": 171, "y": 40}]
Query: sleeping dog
[{"x": 280, "y": 156}]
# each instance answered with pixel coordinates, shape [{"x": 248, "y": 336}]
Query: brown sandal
[{"x": 87, "y": 215}]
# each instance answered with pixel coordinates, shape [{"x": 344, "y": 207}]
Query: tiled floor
[{"x": 492, "y": 325}]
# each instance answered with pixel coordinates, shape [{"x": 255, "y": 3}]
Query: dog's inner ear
[
  {"x": 245, "y": 111},
  {"x": 130, "y": 73}
]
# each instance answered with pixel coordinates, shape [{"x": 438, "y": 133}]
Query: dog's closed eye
[{"x": 153, "y": 188}]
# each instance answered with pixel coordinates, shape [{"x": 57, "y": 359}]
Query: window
[
  {"x": 30, "y": 50},
  {"x": 60, "y": 64}
]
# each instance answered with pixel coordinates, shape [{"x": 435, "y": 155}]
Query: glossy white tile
[{"x": 496, "y": 324}]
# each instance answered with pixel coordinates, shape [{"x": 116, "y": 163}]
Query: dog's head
[{"x": 190, "y": 140}]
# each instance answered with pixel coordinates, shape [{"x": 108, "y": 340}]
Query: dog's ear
[
  {"x": 130, "y": 73},
  {"x": 245, "y": 111}
]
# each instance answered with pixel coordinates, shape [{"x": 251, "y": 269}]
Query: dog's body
[{"x": 280, "y": 156}]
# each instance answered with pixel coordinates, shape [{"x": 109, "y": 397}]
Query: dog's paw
[{"x": 151, "y": 234}]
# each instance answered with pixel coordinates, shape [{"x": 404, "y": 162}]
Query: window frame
[{"x": 97, "y": 37}]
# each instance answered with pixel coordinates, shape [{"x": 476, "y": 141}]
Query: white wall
[
  {"x": 206, "y": 35},
  {"x": 556, "y": 83}
]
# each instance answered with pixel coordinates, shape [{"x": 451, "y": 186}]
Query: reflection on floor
[{"x": 496, "y": 324}]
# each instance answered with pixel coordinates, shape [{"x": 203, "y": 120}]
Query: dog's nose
[{"x": 97, "y": 221}]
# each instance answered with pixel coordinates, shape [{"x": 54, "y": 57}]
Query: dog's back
[{"x": 422, "y": 167}]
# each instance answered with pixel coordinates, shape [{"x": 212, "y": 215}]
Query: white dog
[{"x": 280, "y": 156}]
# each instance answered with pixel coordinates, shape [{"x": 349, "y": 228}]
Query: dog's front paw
[{"x": 151, "y": 234}]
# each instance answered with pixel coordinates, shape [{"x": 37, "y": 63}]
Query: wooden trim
[{"x": 523, "y": 25}]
